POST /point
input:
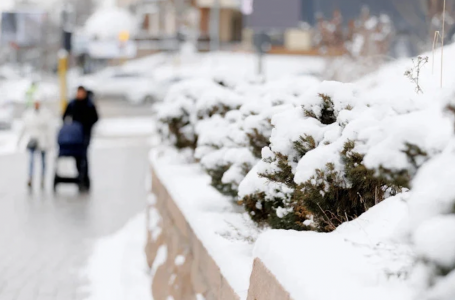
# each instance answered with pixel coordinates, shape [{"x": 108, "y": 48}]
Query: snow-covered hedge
[
  {"x": 226, "y": 124},
  {"x": 312, "y": 176},
  {"x": 314, "y": 155},
  {"x": 302, "y": 150},
  {"x": 432, "y": 217},
  {"x": 306, "y": 155},
  {"x": 189, "y": 103}
]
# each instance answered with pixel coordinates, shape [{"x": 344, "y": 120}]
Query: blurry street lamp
[{"x": 262, "y": 44}]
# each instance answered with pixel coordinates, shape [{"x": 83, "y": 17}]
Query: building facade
[
  {"x": 231, "y": 20},
  {"x": 296, "y": 24},
  {"x": 163, "y": 20},
  {"x": 282, "y": 21}
]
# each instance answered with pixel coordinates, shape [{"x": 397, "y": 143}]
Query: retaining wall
[{"x": 187, "y": 271}]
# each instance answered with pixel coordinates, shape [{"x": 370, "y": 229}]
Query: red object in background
[{"x": 14, "y": 45}]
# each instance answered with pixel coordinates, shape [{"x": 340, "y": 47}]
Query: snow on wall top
[{"x": 360, "y": 260}]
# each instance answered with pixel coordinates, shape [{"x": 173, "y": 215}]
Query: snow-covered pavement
[
  {"x": 117, "y": 268},
  {"x": 53, "y": 244}
]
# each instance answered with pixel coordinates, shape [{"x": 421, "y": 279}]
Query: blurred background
[
  {"x": 32, "y": 29},
  {"x": 100, "y": 32},
  {"x": 135, "y": 50},
  {"x": 97, "y": 43}
]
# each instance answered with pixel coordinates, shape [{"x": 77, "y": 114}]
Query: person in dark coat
[{"x": 83, "y": 110}]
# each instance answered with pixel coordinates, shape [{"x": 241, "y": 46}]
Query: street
[{"x": 46, "y": 238}]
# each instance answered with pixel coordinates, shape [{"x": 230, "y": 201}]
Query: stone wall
[
  {"x": 187, "y": 270},
  {"x": 263, "y": 284}
]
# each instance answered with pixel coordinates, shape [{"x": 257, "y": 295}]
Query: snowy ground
[
  {"x": 125, "y": 127},
  {"x": 8, "y": 142},
  {"x": 117, "y": 268}
]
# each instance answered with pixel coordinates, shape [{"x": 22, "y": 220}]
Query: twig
[
  {"x": 376, "y": 196},
  {"x": 328, "y": 219},
  {"x": 414, "y": 73},
  {"x": 363, "y": 202},
  {"x": 437, "y": 37}
]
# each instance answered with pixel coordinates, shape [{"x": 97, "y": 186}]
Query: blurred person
[
  {"x": 30, "y": 94},
  {"x": 83, "y": 110},
  {"x": 37, "y": 129}
]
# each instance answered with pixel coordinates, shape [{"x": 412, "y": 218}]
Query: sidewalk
[{"x": 46, "y": 239}]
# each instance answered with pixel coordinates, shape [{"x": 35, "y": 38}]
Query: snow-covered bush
[
  {"x": 337, "y": 194},
  {"x": 433, "y": 227},
  {"x": 189, "y": 102},
  {"x": 313, "y": 175},
  {"x": 404, "y": 140},
  {"x": 432, "y": 224},
  {"x": 230, "y": 145},
  {"x": 222, "y": 151},
  {"x": 381, "y": 145},
  {"x": 300, "y": 154},
  {"x": 270, "y": 195}
]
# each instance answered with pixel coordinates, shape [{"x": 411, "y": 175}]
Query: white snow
[
  {"x": 226, "y": 233},
  {"x": 200, "y": 297},
  {"x": 160, "y": 259},
  {"x": 117, "y": 268},
  {"x": 360, "y": 260},
  {"x": 435, "y": 239},
  {"x": 125, "y": 127},
  {"x": 179, "y": 260},
  {"x": 431, "y": 226},
  {"x": 154, "y": 220},
  {"x": 430, "y": 126},
  {"x": 236, "y": 68},
  {"x": 8, "y": 142},
  {"x": 108, "y": 22}
]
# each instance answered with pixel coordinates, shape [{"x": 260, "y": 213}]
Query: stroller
[{"x": 72, "y": 143}]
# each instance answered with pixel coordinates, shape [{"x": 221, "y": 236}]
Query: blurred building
[
  {"x": 30, "y": 37},
  {"x": 231, "y": 20},
  {"x": 282, "y": 20},
  {"x": 157, "y": 17},
  {"x": 165, "y": 22},
  {"x": 302, "y": 26}
]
